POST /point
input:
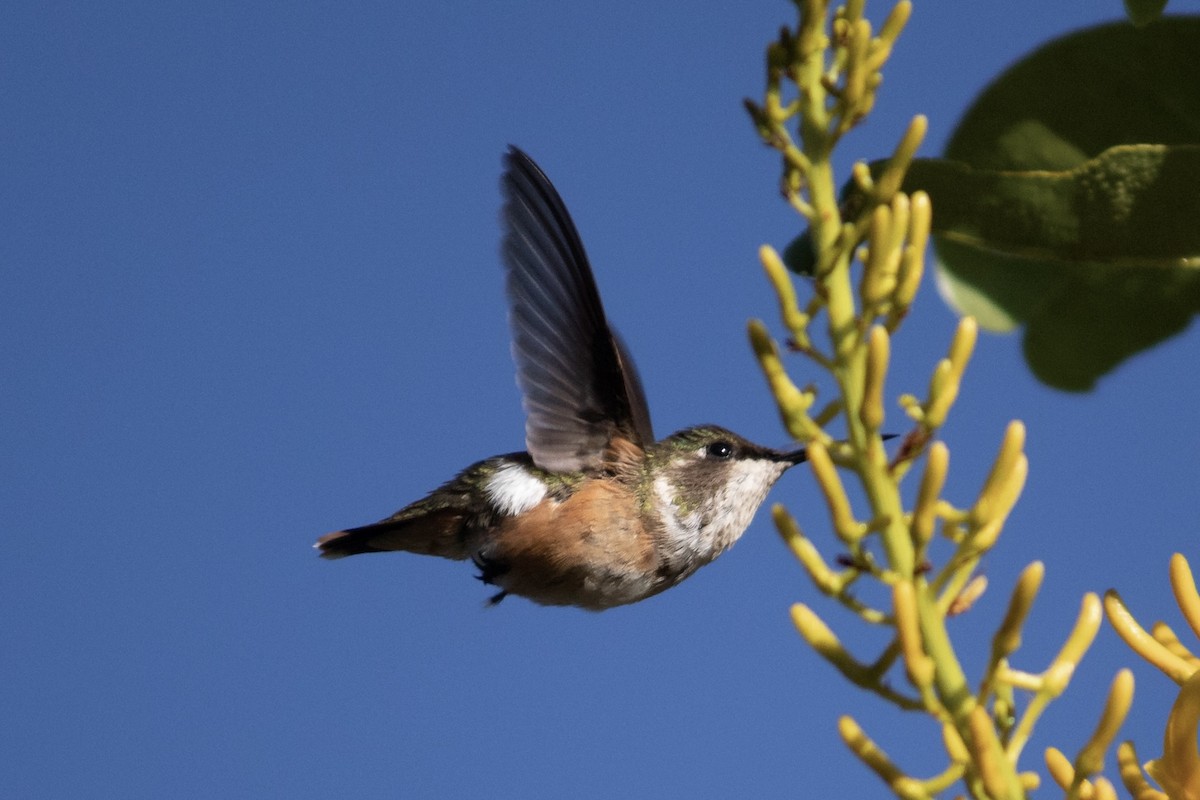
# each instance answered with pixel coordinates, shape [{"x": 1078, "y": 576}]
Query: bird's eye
[{"x": 719, "y": 450}]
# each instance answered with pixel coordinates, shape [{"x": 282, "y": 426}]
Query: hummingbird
[{"x": 596, "y": 512}]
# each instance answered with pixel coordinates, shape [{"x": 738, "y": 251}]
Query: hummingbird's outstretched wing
[
  {"x": 638, "y": 407},
  {"x": 579, "y": 386}
]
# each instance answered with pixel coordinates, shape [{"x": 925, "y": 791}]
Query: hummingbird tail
[
  {"x": 428, "y": 534},
  {"x": 340, "y": 544}
]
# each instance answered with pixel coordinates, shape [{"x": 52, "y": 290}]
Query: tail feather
[
  {"x": 349, "y": 542},
  {"x": 434, "y": 534}
]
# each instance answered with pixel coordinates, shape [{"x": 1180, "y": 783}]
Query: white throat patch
[
  {"x": 738, "y": 500},
  {"x": 719, "y": 520},
  {"x": 513, "y": 490}
]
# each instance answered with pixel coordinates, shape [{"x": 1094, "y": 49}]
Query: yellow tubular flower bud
[
  {"x": 867, "y": 751},
  {"x": 984, "y": 537},
  {"x": 991, "y": 496},
  {"x": 943, "y": 389},
  {"x": 917, "y": 663},
  {"x": 887, "y": 234},
  {"x": 1008, "y": 635},
  {"x": 896, "y": 20},
  {"x": 874, "y": 287},
  {"x": 1120, "y": 697},
  {"x": 963, "y": 344},
  {"x": 987, "y": 753},
  {"x": 877, "y": 56},
  {"x": 1104, "y": 789},
  {"x": 920, "y": 222},
  {"x": 845, "y": 525},
  {"x": 913, "y": 408},
  {"x": 1059, "y": 767},
  {"x": 1184, "y": 587},
  {"x": 1133, "y": 777},
  {"x": 820, "y": 638},
  {"x": 893, "y": 174},
  {"x": 1083, "y": 634},
  {"x": 898, "y": 231},
  {"x": 1008, "y": 492},
  {"x": 878, "y": 353},
  {"x": 805, "y": 552},
  {"x": 859, "y": 37},
  {"x": 1163, "y": 634},
  {"x": 793, "y": 404},
  {"x": 924, "y": 513},
  {"x": 861, "y": 174},
  {"x": 1030, "y": 781},
  {"x": 1178, "y": 771},
  {"x": 956, "y": 748},
  {"x": 1141, "y": 642},
  {"x": 789, "y": 310}
]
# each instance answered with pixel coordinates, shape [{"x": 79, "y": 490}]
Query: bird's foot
[{"x": 489, "y": 570}]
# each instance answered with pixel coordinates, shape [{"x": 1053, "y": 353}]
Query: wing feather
[{"x": 579, "y": 385}]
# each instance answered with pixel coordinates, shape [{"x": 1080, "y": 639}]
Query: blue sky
[{"x": 253, "y": 295}]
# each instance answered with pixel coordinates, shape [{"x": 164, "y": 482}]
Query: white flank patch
[{"x": 512, "y": 490}]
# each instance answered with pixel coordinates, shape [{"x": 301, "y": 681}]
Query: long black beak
[
  {"x": 801, "y": 455},
  {"x": 794, "y": 456}
]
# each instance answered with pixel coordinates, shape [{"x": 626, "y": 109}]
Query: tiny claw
[{"x": 489, "y": 571}]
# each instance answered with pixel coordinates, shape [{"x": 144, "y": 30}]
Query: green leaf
[
  {"x": 1081, "y": 319},
  {"x": 1133, "y": 205},
  {"x": 1079, "y": 95},
  {"x": 1054, "y": 211},
  {"x": 1143, "y": 12},
  {"x": 1098, "y": 261},
  {"x": 1069, "y": 201}
]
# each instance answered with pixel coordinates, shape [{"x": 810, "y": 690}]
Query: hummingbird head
[{"x": 706, "y": 484}]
